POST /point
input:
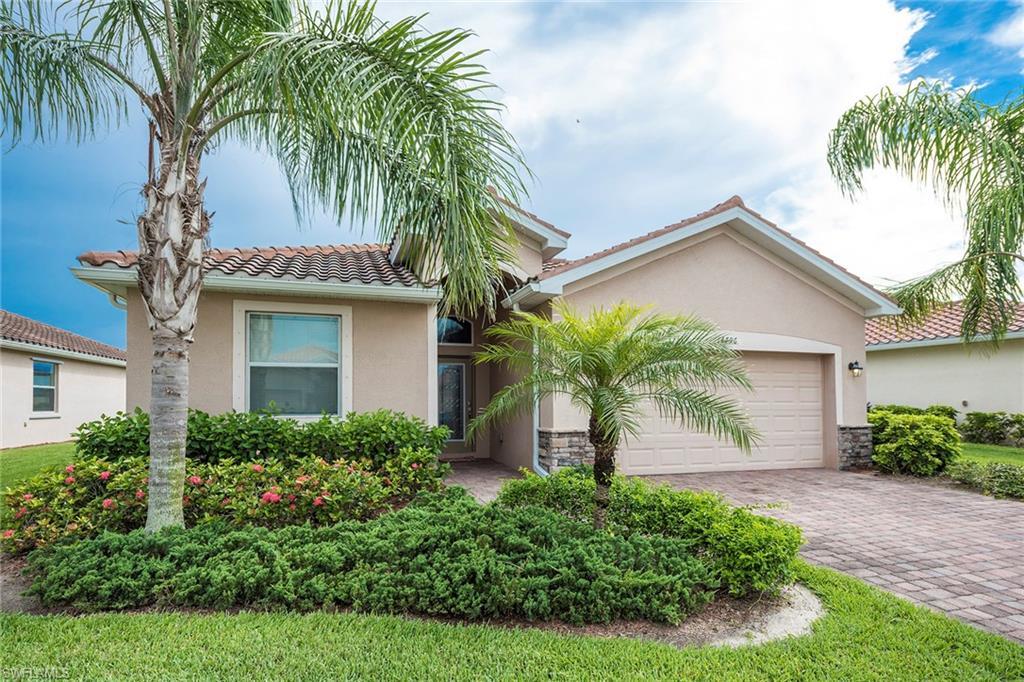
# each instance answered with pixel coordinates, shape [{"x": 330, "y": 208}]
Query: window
[
  {"x": 294, "y": 363},
  {"x": 454, "y": 330},
  {"x": 44, "y": 386}
]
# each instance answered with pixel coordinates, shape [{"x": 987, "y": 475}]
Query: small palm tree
[
  {"x": 371, "y": 121},
  {"x": 967, "y": 150},
  {"x": 612, "y": 364}
]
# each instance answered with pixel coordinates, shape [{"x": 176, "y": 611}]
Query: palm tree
[
  {"x": 612, "y": 364},
  {"x": 371, "y": 121},
  {"x": 968, "y": 151}
]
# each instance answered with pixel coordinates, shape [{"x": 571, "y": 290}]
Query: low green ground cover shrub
[
  {"x": 993, "y": 428},
  {"x": 992, "y": 478},
  {"x": 748, "y": 552},
  {"x": 96, "y": 494},
  {"x": 443, "y": 555},
  {"x": 939, "y": 410},
  {"x": 915, "y": 444},
  {"x": 240, "y": 436}
]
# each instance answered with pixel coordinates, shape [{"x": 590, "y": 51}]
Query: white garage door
[{"x": 785, "y": 406}]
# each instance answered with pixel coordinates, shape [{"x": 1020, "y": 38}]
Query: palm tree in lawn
[
  {"x": 970, "y": 152},
  {"x": 368, "y": 120},
  {"x": 612, "y": 364}
]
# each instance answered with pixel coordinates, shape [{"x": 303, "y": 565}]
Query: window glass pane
[
  {"x": 307, "y": 339},
  {"x": 451, "y": 403},
  {"x": 43, "y": 374},
  {"x": 294, "y": 390},
  {"x": 44, "y": 400},
  {"x": 454, "y": 330}
]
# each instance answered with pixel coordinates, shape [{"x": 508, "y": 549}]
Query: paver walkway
[{"x": 955, "y": 551}]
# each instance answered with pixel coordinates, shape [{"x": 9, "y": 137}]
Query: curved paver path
[{"x": 955, "y": 551}]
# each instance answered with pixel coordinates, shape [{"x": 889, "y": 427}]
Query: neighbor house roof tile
[
  {"x": 346, "y": 263},
  {"x": 943, "y": 323},
  {"x": 14, "y": 327}
]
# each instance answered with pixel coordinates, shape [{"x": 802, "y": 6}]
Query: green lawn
[
  {"x": 17, "y": 464},
  {"x": 993, "y": 453},
  {"x": 867, "y": 635}
]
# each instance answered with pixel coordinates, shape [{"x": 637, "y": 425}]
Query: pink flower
[
  {"x": 8, "y": 534},
  {"x": 225, "y": 502},
  {"x": 69, "y": 480},
  {"x": 108, "y": 503},
  {"x": 318, "y": 501},
  {"x": 21, "y": 512},
  {"x": 258, "y": 468},
  {"x": 139, "y": 494},
  {"x": 415, "y": 465},
  {"x": 195, "y": 480},
  {"x": 269, "y": 497},
  {"x": 291, "y": 498},
  {"x": 70, "y": 468},
  {"x": 291, "y": 506},
  {"x": 186, "y": 500},
  {"x": 27, "y": 496},
  {"x": 104, "y": 475}
]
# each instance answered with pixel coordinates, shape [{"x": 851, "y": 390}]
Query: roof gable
[{"x": 28, "y": 332}]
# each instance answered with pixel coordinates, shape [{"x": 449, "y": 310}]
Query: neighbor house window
[
  {"x": 44, "y": 386},
  {"x": 294, "y": 363},
  {"x": 454, "y": 330}
]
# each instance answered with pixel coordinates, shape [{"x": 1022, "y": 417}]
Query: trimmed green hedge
[
  {"x": 999, "y": 479},
  {"x": 916, "y": 444},
  {"x": 993, "y": 428},
  {"x": 748, "y": 552},
  {"x": 443, "y": 555}
]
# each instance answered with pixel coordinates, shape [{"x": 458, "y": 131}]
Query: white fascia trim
[
  {"x": 285, "y": 287},
  {"x": 530, "y": 294},
  {"x": 878, "y": 304},
  {"x": 548, "y": 238},
  {"x": 59, "y": 353},
  {"x": 945, "y": 341}
]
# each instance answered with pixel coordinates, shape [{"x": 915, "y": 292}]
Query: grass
[
  {"x": 993, "y": 453},
  {"x": 866, "y": 635},
  {"x": 17, "y": 464}
]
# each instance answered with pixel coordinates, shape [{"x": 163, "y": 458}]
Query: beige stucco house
[
  {"x": 928, "y": 363},
  {"x": 53, "y": 380},
  {"x": 339, "y": 328}
]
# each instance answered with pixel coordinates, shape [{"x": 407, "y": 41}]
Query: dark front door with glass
[{"x": 454, "y": 388}]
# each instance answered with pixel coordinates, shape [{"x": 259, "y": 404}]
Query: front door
[{"x": 453, "y": 400}]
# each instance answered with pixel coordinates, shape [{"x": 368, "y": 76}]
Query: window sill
[{"x": 45, "y": 415}]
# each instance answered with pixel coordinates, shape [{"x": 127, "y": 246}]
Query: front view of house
[{"x": 331, "y": 329}]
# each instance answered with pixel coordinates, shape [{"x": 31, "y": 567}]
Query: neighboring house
[
  {"x": 928, "y": 363},
  {"x": 53, "y": 380},
  {"x": 337, "y": 328}
]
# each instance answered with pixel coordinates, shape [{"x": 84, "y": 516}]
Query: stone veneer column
[
  {"x": 564, "y": 448},
  {"x": 855, "y": 447}
]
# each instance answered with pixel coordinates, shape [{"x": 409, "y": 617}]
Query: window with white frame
[
  {"x": 293, "y": 363},
  {"x": 44, "y": 386}
]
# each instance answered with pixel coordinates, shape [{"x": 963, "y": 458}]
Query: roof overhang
[
  {"x": 551, "y": 243},
  {"x": 872, "y": 301},
  {"x": 944, "y": 341},
  {"x": 49, "y": 351},
  {"x": 117, "y": 281}
]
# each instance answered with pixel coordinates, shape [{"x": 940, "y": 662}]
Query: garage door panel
[{"x": 785, "y": 406}]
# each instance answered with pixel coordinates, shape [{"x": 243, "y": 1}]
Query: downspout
[{"x": 117, "y": 301}]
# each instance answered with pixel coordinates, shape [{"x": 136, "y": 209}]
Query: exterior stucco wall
[
  {"x": 723, "y": 277},
  {"x": 530, "y": 257},
  {"x": 511, "y": 442},
  {"x": 85, "y": 390},
  {"x": 949, "y": 375},
  {"x": 390, "y": 347}
]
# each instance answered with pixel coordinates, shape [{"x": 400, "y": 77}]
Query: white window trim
[
  {"x": 239, "y": 369},
  {"x": 472, "y": 333},
  {"x": 47, "y": 414}
]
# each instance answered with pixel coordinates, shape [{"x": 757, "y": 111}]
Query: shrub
[
  {"x": 916, "y": 444},
  {"x": 242, "y": 436},
  {"x": 748, "y": 552},
  {"x": 96, "y": 494},
  {"x": 947, "y": 411},
  {"x": 444, "y": 555},
  {"x": 992, "y": 478},
  {"x": 994, "y": 428},
  {"x": 897, "y": 409}
]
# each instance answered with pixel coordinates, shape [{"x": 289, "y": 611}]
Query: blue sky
[{"x": 632, "y": 116}]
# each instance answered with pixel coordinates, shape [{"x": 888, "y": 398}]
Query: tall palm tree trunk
[
  {"x": 604, "y": 470},
  {"x": 172, "y": 231}
]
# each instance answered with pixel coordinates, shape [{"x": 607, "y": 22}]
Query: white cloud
[{"x": 1010, "y": 33}]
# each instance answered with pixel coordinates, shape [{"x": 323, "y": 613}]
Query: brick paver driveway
[{"x": 955, "y": 551}]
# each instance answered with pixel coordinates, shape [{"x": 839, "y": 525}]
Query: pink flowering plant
[{"x": 94, "y": 494}]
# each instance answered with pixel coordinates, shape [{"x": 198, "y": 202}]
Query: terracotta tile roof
[
  {"x": 348, "y": 263},
  {"x": 553, "y": 263},
  {"x": 943, "y": 323},
  {"x": 732, "y": 202},
  {"x": 24, "y": 330}
]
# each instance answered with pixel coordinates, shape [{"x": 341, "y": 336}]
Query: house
[
  {"x": 351, "y": 327},
  {"x": 928, "y": 363},
  {"x": 53, "y": 380}
]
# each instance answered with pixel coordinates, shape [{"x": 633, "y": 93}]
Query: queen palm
[
  {"x": 371, "y": 121},
  {"x": 970, "y": 152},
  {"x": 611, "y": 365}
]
